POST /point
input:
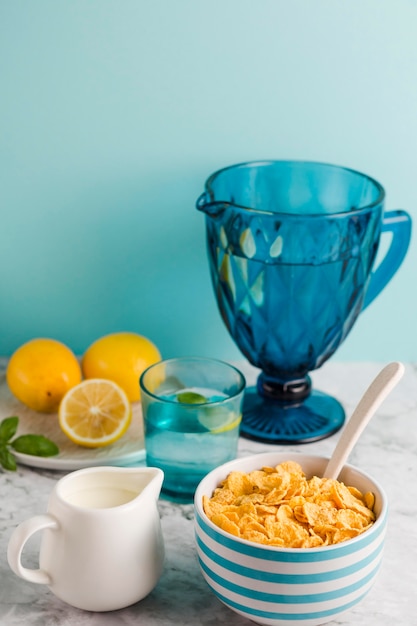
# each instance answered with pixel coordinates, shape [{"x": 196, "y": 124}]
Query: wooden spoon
[{"x": 373, "y": 397}]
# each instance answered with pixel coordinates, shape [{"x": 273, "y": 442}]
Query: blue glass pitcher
[{"x": 291, "y": 248}]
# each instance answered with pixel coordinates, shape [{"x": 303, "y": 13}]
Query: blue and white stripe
[{"x": 288, "y": 586}]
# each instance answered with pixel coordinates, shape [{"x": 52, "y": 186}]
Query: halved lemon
[{"x": 95, "y": 413}]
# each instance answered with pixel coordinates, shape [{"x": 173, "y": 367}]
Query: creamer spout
[{"x": 155, "y": 477}]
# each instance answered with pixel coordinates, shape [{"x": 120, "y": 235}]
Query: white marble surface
[{"x": 387, "y": 450}]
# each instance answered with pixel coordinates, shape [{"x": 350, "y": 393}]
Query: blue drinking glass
[
  {"x": 192, "y": 409},
  {"x": 291, "y": 247}
]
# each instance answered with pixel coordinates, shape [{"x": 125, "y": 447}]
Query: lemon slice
[
  {"x": 218, "y": 420},
  {"x": 95, "y": 413},
  {"x": 215, "y": 419},
  {"x": 232, "y": 423}
]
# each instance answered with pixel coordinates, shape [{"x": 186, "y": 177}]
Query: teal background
[{"x": 114, "y": 112}]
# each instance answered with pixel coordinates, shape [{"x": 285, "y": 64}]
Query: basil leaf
[
  {"x": 8, "y": 428},
  {"x": 7, "y": 459},
  {"x": 37, "y": 445}
]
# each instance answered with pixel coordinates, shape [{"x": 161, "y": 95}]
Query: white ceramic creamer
[{"x": 102, "y": 547}]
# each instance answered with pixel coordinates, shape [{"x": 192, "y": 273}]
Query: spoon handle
[{"x": 373, "y": 397}]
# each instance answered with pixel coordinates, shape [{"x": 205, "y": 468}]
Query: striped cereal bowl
[{"x": 289, "y": 586}]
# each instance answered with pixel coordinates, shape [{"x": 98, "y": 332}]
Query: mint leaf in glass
[{"x": 191, "y": 397}]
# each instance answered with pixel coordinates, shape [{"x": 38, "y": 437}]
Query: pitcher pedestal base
[{"x": 270, "y": 421}]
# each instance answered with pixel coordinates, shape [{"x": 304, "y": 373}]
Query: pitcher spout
[{"x": 211, "y": 207}]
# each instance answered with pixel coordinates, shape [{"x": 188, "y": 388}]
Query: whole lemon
[
  {"x": 120, "y": 357},
  {"x": 40, "y": 373}
]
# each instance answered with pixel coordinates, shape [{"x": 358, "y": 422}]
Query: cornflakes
[{"x": 279, "y": 506}]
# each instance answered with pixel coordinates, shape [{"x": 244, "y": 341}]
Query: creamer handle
[{"x": 17, "y": 541}]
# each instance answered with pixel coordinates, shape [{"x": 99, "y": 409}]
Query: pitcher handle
[
  {"x": 17, "y": 541},
  {"x": 397, "y": 222}
]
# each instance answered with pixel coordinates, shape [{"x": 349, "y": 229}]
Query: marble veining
[{"x": 387, "y": 450}]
